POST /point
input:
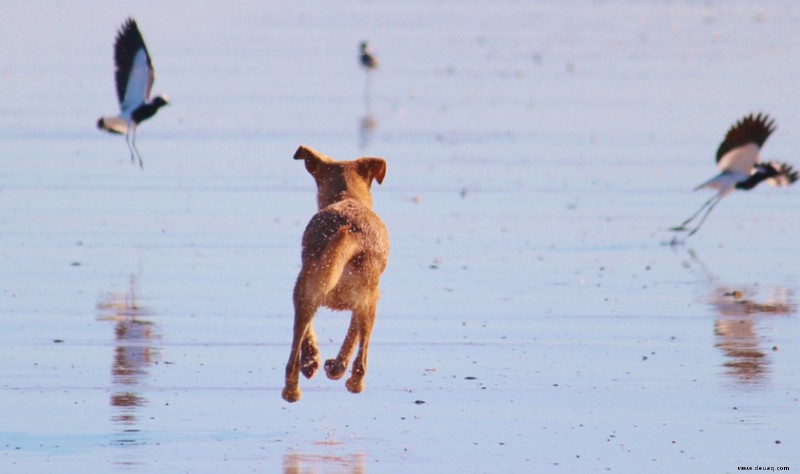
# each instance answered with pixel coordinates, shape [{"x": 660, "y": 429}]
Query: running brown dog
[{"x": 345, "y": 250}]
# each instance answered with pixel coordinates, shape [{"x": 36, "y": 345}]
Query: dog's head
[{"x": 338, "y": 180}]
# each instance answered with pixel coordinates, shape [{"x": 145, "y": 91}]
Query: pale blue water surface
[{"x": 532, "y": 317}]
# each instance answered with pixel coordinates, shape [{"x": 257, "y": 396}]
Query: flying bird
[
  {"x": 134, "y": 77},
  {"x": 738, "y": 162},
  {"x": 368, "y": 59}
]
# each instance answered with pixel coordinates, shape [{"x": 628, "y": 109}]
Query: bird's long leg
[
  {"x": 682, "y": 227},
  {"x": 717, "y": 199},
  {"x": 128, "y": 142},
  {"x": 138, "y": 155}
]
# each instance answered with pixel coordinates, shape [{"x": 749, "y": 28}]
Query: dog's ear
[
  {"x": 312, "y": 157},
  {"x": 371, "y": 168}
]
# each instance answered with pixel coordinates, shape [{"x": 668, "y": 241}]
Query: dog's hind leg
[
  {"x": 318, "y": 276},
  {"x": 303, "y": 335},
  {"x": 309, "y": 353}
]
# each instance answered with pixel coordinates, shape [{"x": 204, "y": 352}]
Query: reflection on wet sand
[
  {"x": 366, "y": 127},
  {"x": 739, "y": 310},
  {"x": 133, "y": 354},
  {"x": 367, "y": 123},
  {"x": 736, "y": 330},
  {"x": 298, "y": 463}
]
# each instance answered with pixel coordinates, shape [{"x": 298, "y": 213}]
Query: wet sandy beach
[{"x": 533, "y": 316}]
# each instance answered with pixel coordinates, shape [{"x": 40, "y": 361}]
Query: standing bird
[
  {"x": 737, "y": 160},
  {"x": 134, "y": 77},
  {"x": 368, "y": 60}
]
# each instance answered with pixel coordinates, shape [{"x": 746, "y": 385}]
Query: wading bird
[
  {"x": 134, "y": 77},
  {"x": 368, "y": 60},
  {"x": 738, "y": 162}
]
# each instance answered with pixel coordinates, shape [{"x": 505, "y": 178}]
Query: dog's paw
[
  {"x": 334, "y": 368},
  {"x": 310, "y": 367},
  {"x": 355, "y": 385},
  {"x": 291, "y": 394}
]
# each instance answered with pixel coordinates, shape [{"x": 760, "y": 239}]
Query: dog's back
[{"x": 347, "y": 246}]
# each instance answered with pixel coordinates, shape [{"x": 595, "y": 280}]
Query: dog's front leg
[
  {"x": 335, "y": 368},
  {"x": 366, "y": 320}
]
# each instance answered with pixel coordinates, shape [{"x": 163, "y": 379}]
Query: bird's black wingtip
[
  {"x": 790, "y": 173},
  {"x": 765, "y": 120},
  {"x": 128, "y": 27},
  {"x": 752, "y": 128}
]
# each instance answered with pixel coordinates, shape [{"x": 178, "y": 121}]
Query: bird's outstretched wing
[
  {"x": 749, "y": 130},
  {"x": 134, "y": 70}
]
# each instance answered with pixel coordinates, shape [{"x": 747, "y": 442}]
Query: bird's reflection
[
  {"x": 298, "y": 463},
  {"x": 367, "y": 123},
  {"x": 134, "y": 353},
  {"x": 739, "y": 311},
  {"x": 366, "y": 126},
  {"x": 736, "y": 329}
]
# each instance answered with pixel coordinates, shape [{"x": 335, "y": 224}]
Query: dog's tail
[{"x": 327, "y": 268}]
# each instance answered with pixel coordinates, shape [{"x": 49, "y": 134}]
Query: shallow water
[{"x": 533, "y": 316}]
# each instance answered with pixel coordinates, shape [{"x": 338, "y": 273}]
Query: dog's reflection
[
  {"x": 298, "y": 463},
  {"x": 134, "y": 352}
]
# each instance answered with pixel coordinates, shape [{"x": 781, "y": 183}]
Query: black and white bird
[
  {"x": 738, "y": 162},
  {"x": 368, "y": 59},
  {"x": 134, "y": 77}
]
